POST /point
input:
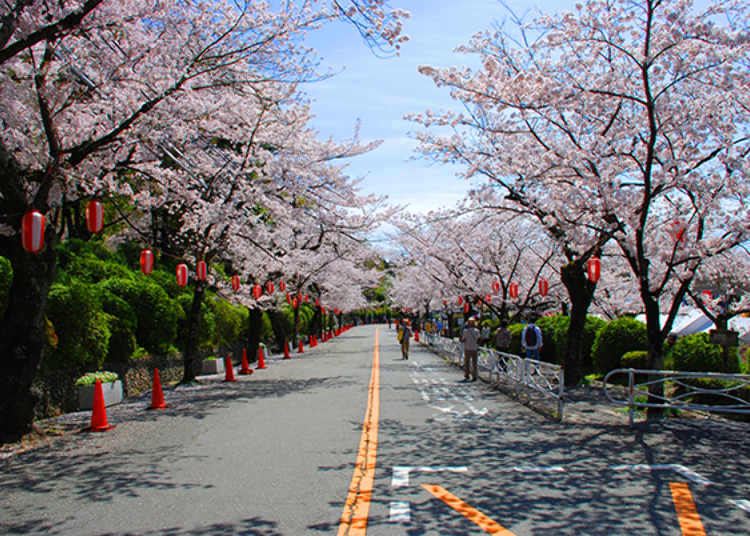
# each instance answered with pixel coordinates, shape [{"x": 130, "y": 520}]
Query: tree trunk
[
  {"x": 278, "y": 330},
  {"x": 193, "y": 332},
  {"x": 255, "y": 324},
  {"x": 22, "y": 334},
  {"x": 655, "y": 356},
  {"x": 581, "y": 293}
]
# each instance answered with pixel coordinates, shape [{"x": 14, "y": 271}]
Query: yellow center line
[
  {"x": 484, "y": 522},
  {"x": 687, "y": 514},
  {"x": 357, "y": 507}
]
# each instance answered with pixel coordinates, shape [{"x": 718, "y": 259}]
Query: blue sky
[{"x": 380, "y": 91}]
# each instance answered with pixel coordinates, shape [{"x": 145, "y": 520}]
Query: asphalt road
[{"x": 275, "y": 454}]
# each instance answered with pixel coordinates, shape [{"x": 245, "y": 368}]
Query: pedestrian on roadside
[
  {"x": 531, "y": 339},
  {"x": 470, "y": 337},
  {"x": 502, "y": 339},
  {"x": 404, "y": 334}
]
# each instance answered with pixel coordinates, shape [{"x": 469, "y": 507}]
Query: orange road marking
[
  {"x": 487, "y": 524},
  {"x": 690, "y": 521},
  {"x": 357, "y": 507}
]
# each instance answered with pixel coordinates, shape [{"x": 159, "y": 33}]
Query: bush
[
  {"x": 228, "y": 322},
  {"x": 591, "y": 330},
  {"x": 554, "y": 330},
  {"x": 615, "y": 340},
  {"x": 207, "y": 326},
  {"x": 80, "y": 325},
  {"x": 693, "y": 353},
  {"x": 75, "y": 248},
  {"x": 635, "y": 360},
  {"x": 93, "y": 270},
  {"x": 156, "y": 314},
  {"x": 515, "y": 339}
]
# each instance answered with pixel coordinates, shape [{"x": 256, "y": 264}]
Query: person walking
[
  {"x": 502, "y": 339},
  {"x": 531, "y": 340},
  {"x": 470, "y": 336},
  {"x": 404, "y": 334}
]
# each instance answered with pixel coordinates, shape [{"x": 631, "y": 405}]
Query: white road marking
[
  {"x": 677, "y": 468},
  {"x": 742, "y": 503},
  {"x": 400, "y": 512},
  {"x": 532, "y": 469},
  {"x": 400, "y": 478}
]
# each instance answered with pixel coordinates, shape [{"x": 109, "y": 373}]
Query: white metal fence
[
  {"x": 540, "y": 376},
  {"x": 680, "y": 389}
]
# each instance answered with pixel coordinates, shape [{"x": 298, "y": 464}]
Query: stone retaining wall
[{"x": 58, "y": 393}]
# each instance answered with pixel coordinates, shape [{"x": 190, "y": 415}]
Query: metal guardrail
[
  {"x": 540, "y": 376},
  {"x": 678, "y": 391}
]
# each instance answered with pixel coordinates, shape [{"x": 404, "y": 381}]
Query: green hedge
[
  {"x": 81, "y": 327},
  {"x": 693, "y": 353},
  {"x": 615, "y": 340}
]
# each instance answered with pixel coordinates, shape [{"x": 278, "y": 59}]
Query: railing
[
  {"x": 545, "y": 378},
  {"x": 678, "y": 391}
]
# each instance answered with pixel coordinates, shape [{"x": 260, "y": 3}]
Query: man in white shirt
[{"x": 470, "y": 336}]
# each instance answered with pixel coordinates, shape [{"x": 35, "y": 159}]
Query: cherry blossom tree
[
  {"x": 95, "y": 91},
  {"x": 623, "y": 121}
]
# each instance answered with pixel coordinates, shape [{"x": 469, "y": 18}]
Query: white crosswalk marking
[{"x": 400, "y": 512}]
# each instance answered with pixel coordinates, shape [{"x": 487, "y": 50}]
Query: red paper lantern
[
  {"x": 32, "y": 231},
  {"x": 257, "y": 291},
  {"x": 479, "y": 304},
  {"x": 269, "y": 286},
  {"x": 594, "y": 269},
  {"x": 488, "y": 299},
  {"x": 182, "y": 274},
  {"x": 235, "y": 283},
  {"x": 495, "y": 286},
  {"x": 317, "y": 301},
  {"x": 466, "y": 308},
  {"x": 460, "y": 300},
  {"x": 295, "y": 303},
  {"x": 336, "y": 311},
  {"x": 147, "y": 261},
  {"x": 201, "y": 270},
  {"x": 543, "y": 287},
  {"x": 323, "y": 310},
  {"x": 282, "y": 286},
  {"x": 288, "y": 298},
  {"x": 513, "y": 290},
  {"x": 445, "y": 303},
  {"x": 94, "y": 216},
  {"x": 307, "y": 297}
]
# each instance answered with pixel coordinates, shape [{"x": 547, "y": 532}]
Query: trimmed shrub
[
  {"x": 591, "y": 331},
  {"x": 81, "y": 327},
  {"x": 554, "y": 329},
  {"x": 693, "y": 353},
  {"x": 615, "y": 340},
  {"x": 206, "y": 330},
  {"x": 635, "y": 360},
  {"x": 156, "y": 314},
  {"x": 228, "y": 322},
  {"x": 515, "y": 339},
  {"x": 93, "y": 270}
]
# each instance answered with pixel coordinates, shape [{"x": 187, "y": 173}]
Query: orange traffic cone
[
  {"x": 230, "y": 371},
  {"x": 301, "y": 349},
  {"x": 261, "y": 360},
  {"x": 99, "y": 412},
  {"x": 245, "y": 369},
  {"x": 286, "y": 350},
  {"x": 157, "y": 396}
]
